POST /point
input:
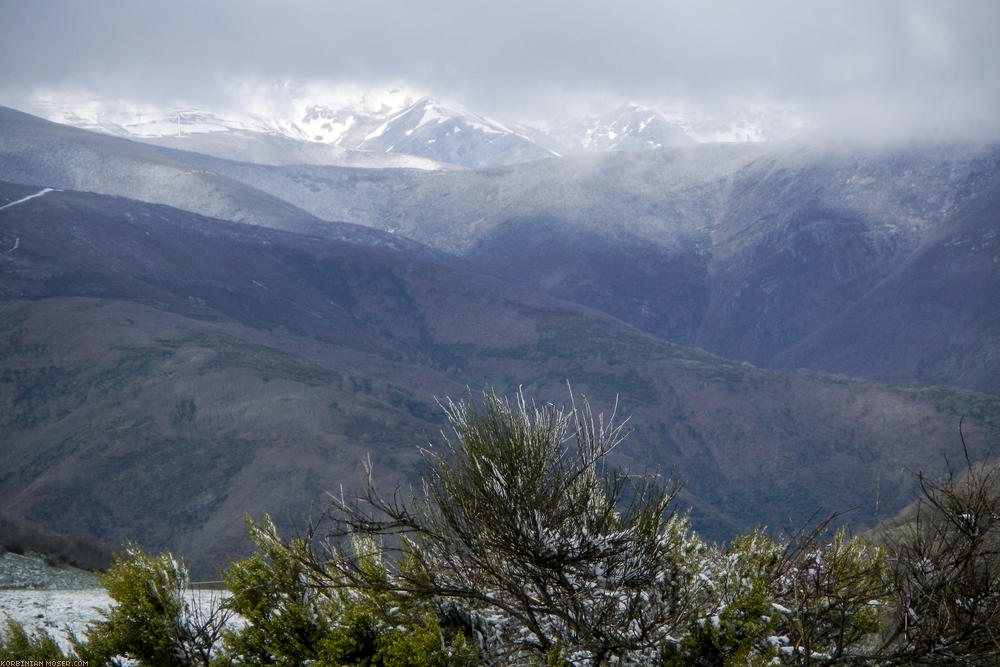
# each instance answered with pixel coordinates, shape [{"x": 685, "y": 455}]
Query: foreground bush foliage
[
  {"x": 290, "y": 620},
  {"x": 532, "y": 543},
  {"x": 523, "y": 548},
  {"x": 154, "y": 621},
  {"x": 18, "y": 644}
]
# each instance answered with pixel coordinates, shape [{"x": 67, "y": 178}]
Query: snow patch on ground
[
  {"x": 57, "y": 612},
  {"x": 24, "y": 199},
  {"x": 61, "y": 612}
]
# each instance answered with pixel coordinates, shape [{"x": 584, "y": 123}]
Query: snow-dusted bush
[
  {"x": 828, "y": 601},
  {"x": 736, "y": 623},
  {"x": 773, "y": 602},
  {"x": 523, "y": 547},
  {"x": 523, "y": 532},
  {"x": 153, "y": 622}
]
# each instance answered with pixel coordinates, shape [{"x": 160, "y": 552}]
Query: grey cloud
[{"x": 927, "y": 60}]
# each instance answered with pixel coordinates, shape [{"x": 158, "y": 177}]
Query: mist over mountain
[
  {"x": 38, "y": 151},
  {"x": 749, "y": 251},
  {"x": 397, "y": 131},
  {"x": 631, "y": 127},
  {"x": 755, "y": 252}
]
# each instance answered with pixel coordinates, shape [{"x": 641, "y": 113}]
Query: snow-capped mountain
[
  {"x": 351, "y": 134},
  {"x": 133, "y": 122},
  {"x": 423, "y": 128},
  {"x": 431, "y": 130},
  {"x": 342, "y": 125},
  {"x": 397, "y": 128},
  {"x": 632, "y": 127}
]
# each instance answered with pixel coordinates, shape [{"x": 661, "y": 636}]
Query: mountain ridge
[
  {"x": 164, "y": 373},
  {"x": 748, "y": 249},
  {"x": 433, "y": 133}
]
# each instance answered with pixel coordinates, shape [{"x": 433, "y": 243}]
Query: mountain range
[
  {"x": 187, "y": 339},
  {"x": 783, "y": 256},
  {"x": 397, "y": 130}
]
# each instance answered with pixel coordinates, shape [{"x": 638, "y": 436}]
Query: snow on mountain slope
[
  {"x": 355, "y": 127},
  {"x": 631, "y": 127},
  {"x": 423, "y": 128},
  {"x": 424, "y": 131},
  {"x": 430, "y": 130},
  {"x": 247, "y": 137},
  {"x": 280, "y": 150}
]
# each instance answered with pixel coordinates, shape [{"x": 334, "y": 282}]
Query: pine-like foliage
[
  {"x": 292, "y": 617},
  {"x": 523, "y": 547},
  {"x": 17, "y": 644},
  {"x": 153, "y": 621},
  {"x": 523, "y": 532}
]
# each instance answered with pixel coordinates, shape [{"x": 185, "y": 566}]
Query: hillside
[
  {"x": 786, "y": 256},
  {"x": 776, "y": 255},
  {"x": 943, "y": 300},
  {"x": 33, "y": 151},
  {"x": 163, "y": 373}
]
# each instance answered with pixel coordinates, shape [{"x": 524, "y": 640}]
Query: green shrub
[
  {"x": 736, "y": 625},
  {"x": 152, "y": 622},
  {"x": 833, "y": 595},
  {"x": 285, "y": 618},
  {"x": 525, "y": 550},
  {"x": 295, "y": 614},
  {"x": 18, "y": 644}
]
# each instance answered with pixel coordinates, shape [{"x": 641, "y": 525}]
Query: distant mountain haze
[{"x": 419, "y": 133}]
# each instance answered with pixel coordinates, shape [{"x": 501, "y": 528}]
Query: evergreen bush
[{"x": 523, "y": 547}]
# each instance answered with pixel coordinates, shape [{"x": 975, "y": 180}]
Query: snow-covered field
[
  {"x": 55, "y": 610},
  {"x": 60, "y": 611}
]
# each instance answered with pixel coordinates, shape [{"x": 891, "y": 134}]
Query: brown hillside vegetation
[{"x": 161, "y": 374}]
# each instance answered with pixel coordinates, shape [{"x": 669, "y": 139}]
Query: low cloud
[{"x": 899, "y": 65}]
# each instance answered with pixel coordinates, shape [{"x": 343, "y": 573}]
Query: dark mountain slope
[
  {"x": 162, "y": 373},
  {"x": 804, "y": 235},
  {"x": 652, "y": 287},
  {"x": 745, "y": 251},
  {"x": 936, "y": 316}
]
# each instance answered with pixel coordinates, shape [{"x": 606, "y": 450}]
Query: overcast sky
[{"x": 876, "y": 63}]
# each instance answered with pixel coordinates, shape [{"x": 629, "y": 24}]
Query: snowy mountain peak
[
  {"x": 334, "y": 125},
  {"x": 630, "y": 127},
  {"x": 401, "y": 122},
  {"x": 429, "y": 129},
  {"x": 415, "y": 127}
]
